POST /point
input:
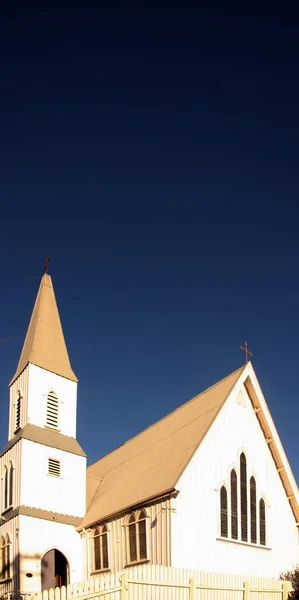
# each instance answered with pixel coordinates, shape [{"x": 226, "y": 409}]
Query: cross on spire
[
  {"x": 246, "y": 351},
  {"x": 46, "y": 265}
]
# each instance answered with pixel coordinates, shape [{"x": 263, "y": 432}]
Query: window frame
[
  {"x": 222, "y": 512},
  {"x": 5, "y": 558},
  {"x": 243, "y": 498},
  {"x": 234, "y": 510},
  {"x": 140, "y": 516},
  {"x": 256, "y": 525},
  {"x": 102, "y": 532},
  {"x": 253, "y": 511},
  {"x": 263, "y": 502}
]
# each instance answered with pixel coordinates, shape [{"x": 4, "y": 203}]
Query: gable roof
[
  {"x": 44, "y": 344},
  {"x": 151, "y": 463},
  {"x": 272, "y": 439}
]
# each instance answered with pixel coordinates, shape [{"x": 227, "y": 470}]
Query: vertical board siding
[
  {"x": 12, "y": 455},
  {"x": 158, "y": 538},
  {"x": 153, "y": 582}
]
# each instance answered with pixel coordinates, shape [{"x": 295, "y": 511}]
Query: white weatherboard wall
[
  {"x": 196, "y": 520},
  {"x": 65, "y": 494},
  {"x": 36, "y": 537}
]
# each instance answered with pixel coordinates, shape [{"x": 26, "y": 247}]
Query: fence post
[
  {"x": 285, "y": 590},
  {"x": 246, "y": 591},
  {"x": 124, "y": 586},
  {"x": 192, "y": 589}
]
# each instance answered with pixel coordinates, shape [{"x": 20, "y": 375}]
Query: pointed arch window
[
  {"x": 137, "y": 536},
  {"x": 223, "y": 512},
  {"x": 5, "y": 492},
  {"x": 5, "y": 557},
  {"x": 243, "y": 497},
  {"x": 10, "y": 485},
  {"x": 234, "y": 504},
  {"x": 100, "y": 548},
  {"x": 253, "y": 523},
  {"x": 262, "y": 507},
  {"x": 8, "y": 480},
  {"x": 52, "y": 416}
]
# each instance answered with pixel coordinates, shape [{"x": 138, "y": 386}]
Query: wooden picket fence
[{"x": 166, "y": 583}]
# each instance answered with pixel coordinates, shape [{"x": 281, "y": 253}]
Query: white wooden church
[{"x": 208, "y": 487}]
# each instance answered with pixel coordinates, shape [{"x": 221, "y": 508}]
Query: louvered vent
[
  {"x": 54, "y": 467},
  {"x": 18, "y": 413},
  {"x": 52, "y": 410}
]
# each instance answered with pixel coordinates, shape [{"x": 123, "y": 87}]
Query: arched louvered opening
[
  {"x": 5, "y": 494},
  {"x": 234, "y": 504},
  {"x": 10, "y": 486},
  {"x": 223, "y": 512},
  {"x": 52, "y": 410},
  {"x": 18, "y": 413},
  {"x": 100, "y": 548},
  {"x": 243, "y": 494},
  {"x": 262, "y": 522},
  {"x": 137, "y": 542},
  {"x": 253, "y": 523}
]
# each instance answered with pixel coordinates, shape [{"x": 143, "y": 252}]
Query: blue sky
[{"x": 153, "y": 155}]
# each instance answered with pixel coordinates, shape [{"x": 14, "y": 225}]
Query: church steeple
[{"x": 44, "y": 344}]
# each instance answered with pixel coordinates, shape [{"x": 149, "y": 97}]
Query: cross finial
[
  {"x": 246, "y": 351},
  {"x": 46, "y": 265}
]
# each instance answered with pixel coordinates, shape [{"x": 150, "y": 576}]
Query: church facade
[{"x": 207, "y": 487}]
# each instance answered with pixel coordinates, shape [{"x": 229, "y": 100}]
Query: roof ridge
[{"x": 169, "y": 414}]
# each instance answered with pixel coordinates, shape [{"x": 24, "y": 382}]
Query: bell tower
[{"x": 43, "y": 467}]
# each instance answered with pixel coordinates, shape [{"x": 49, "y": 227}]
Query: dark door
[{"x": 54, "y": 570}]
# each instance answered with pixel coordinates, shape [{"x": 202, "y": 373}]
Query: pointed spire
[{"x": 44, "y": 344}]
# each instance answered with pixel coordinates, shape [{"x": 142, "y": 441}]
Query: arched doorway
[{"x": 54, "y": 570}]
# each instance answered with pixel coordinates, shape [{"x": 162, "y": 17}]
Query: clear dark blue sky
[{"x": 153, "y": 154}]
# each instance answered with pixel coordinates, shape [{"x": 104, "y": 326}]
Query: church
[{"x": 207, "y": 487}]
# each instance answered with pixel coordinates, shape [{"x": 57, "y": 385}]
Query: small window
[
  {"x": 100, "y": 548},
  {"x": 52, "y": 410},
  {"x": 136, "y": 537},
  {"x": 262, "y": 522},
  {"x": 18, "y": 413},
  {"x": 223, "y": 512},
  {"x": 253, "y": 536},
  {"x": 54, "y": 467},
  {"x": 234, "y": 504}
]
